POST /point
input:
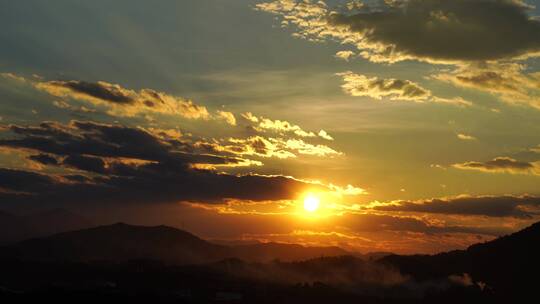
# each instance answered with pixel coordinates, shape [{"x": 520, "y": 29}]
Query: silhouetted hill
[
  {"x": 500, "y": 271},
  {"x": 14, "y": 228},
  {"x": 122, "y": 242},
  {"x": 508, "y": 265}
]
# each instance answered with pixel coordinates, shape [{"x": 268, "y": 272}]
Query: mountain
[
  {"x": 499, "y": 271},
  {"x": 285, "y": 252},
  {"x": 123, "y": 242},
  {"x": 507, "y": 265},
  {"x": 14, "y": 228}
]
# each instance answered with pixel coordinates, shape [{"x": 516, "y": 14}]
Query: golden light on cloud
[{"x": 311, "y": 203}]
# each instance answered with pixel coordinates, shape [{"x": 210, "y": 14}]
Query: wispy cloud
[
  {"x": 502, "y": 165},
  {"x": 122, "y": 101},
  {"x": 393, "y": 89},
  {"x": 465, "y": 136},
  {"x": 98, "y": 163},
  {"x": 491, "y": 206}
]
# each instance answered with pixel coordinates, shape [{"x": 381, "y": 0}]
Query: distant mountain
[
  {"x": 284, "y": 252},
  {"x": 122, "y": 242},
  {"x": 508, "y": 265},
  {"x": 500, "y": 271},
  {"x": 14, "y": 228}
]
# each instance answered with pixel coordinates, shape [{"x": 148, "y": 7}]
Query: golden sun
[{"x": 311, "y": 203}]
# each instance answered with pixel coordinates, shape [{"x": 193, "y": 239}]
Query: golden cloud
[
  {"x": 124, "y": 102},
  {"x": 393, "y": 89}
]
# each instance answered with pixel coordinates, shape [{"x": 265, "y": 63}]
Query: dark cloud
[
  {"x": 118, "y": 164},
  {"x": 121, "y": 101},
  {"x": 24, "y": 181},
  {"x": 44, "y": 159},
  {"x": 492, "y": 206},
  {"x": 467, "y": 30},
  {"x": 502, "y": 164},
  {"x": 376, "y": 223},
  {"x": 105, "y": 140},
  {"x": 433, "y": 30},
  {"x": 98, "y": 90},
  {"x": 86, "y": 163}
]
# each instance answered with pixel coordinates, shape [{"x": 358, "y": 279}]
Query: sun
[{"x": 311, "y": 203}]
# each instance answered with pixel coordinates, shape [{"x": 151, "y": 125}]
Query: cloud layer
[
  {"x": 485, "y": 42},
  {"x": 491, "y": 206},
  {"x": 97, "y": 163}
]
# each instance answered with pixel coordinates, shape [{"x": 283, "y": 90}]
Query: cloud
[
  {"x": 344, "y": 55},
  {"x": 253, "y": 146},
  {"x": 393, "y": 89},
  {"x": 122, "y": 101},
  {"x": 13, "y": 77},
  {"x": 44, "y": 159},
  {"x": 505, "y": 80},
  {"x": 360, "y": 231},
  {"x": 64, "y": 105},
  {"x": 429, "y": 30},
  {"x": 456, "y": 101},
  {"x": 465, "y": 137},
  {"x": 491, "y": 206},
  {"x": 305, "y": 148},
  {"x": 100, "y": 90},
  {"x": 263, "y": 124},
  {"x": 486, "y": 41},
  {"x": 502, "y": 165},
  {"x": 283, "y": 126},
  {"x": 250, "y": 117},
  {"x": 119, "y": 101},
  {"x": 325, "y": 135},
  {"x": 119, "y": 164},
  {"x": 367, "y": 222},
  {"x": 268, "y": 147},
  {"x": 227, "y": 117},
  {"x": 370, "y": 219}
]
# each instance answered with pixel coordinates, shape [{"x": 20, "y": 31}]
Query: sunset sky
[{"x": 404, "y": 125}]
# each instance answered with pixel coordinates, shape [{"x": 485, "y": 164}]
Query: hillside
[
  {"x": 123, "y": 242},
  {"x": 506, "y": 264}
]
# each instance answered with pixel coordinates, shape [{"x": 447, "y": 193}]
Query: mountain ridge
[{"x": 121, "y": 241}]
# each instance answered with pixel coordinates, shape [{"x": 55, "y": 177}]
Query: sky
[{"x": 413, "y": 124}]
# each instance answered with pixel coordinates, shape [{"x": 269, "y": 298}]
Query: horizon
[
  {"x": 92, "y": 226},
  {"x": 407, "y": 126}
]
